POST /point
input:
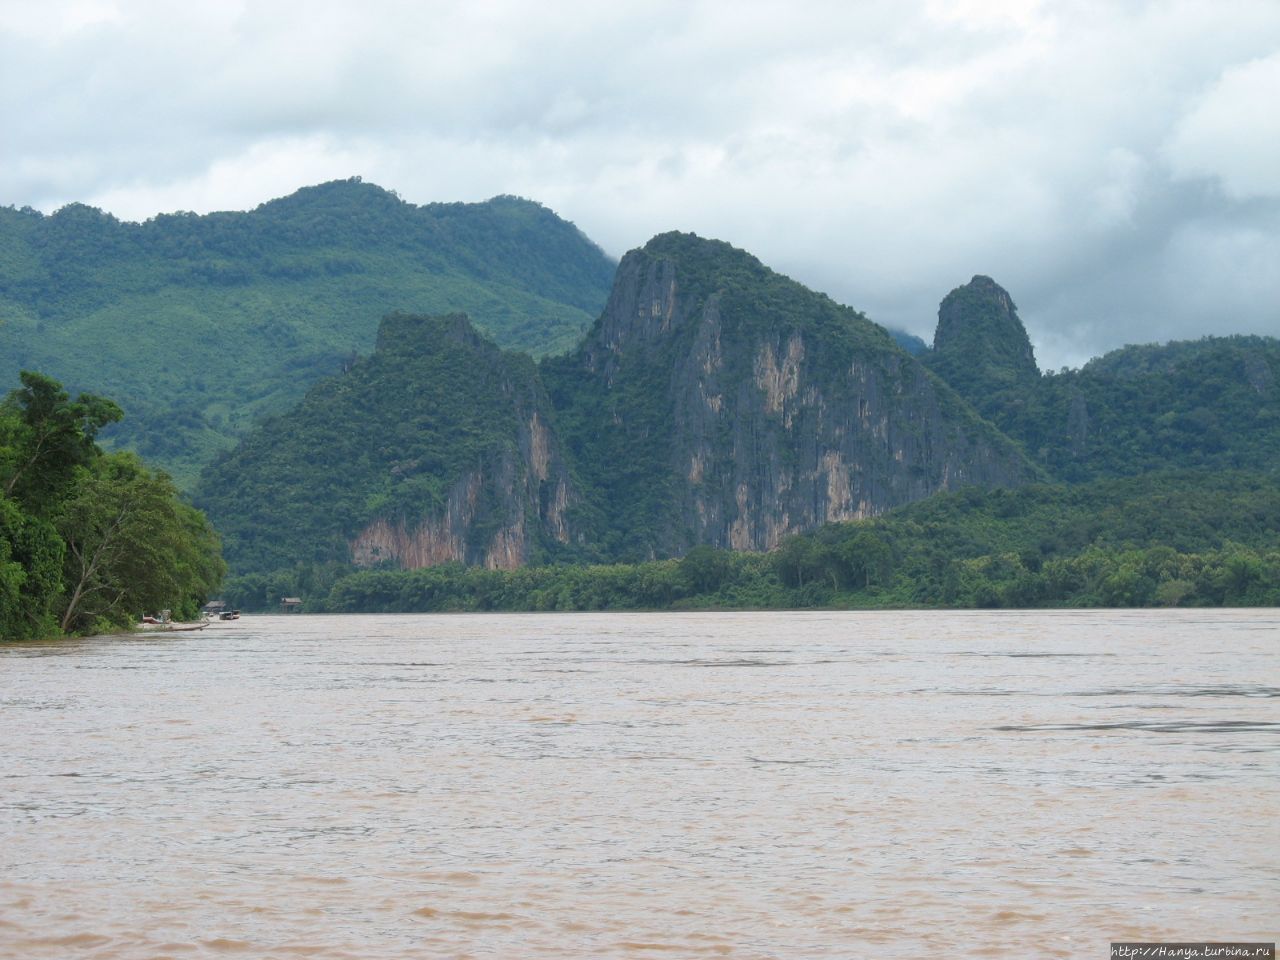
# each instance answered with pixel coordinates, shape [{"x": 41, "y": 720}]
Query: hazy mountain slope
[{"x": 199, "y": 324}]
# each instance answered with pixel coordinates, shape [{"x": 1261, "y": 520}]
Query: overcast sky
[{"x": 1114, "y": 165}]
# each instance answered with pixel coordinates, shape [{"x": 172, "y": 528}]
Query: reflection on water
[{"x": 719, "y": 785}]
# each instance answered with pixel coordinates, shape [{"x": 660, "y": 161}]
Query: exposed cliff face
[
  {"x": 485, "y": 520},
  {"x": 515, "y": 500},
  {"x": 747, "y": 408},
  {"x": 439, "y": 447}
]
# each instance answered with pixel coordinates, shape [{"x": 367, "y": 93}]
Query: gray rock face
[
  {"x": 496, "y": 515},
  {"x": 515, "y": 500},
  {"x": 775, "y": 409}
]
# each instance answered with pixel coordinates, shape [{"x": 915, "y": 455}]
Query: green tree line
[
  {"x": 89, "y": 540},
  {"x": 1173, "y": 539}
]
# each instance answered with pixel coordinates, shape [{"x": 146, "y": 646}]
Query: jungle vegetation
[
  {"x": 200, "y": 325},
  {"x": 90, "y": 540}
]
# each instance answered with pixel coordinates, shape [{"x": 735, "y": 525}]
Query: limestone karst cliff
[
  {"x": 712, "y": 402},
  {"x": 718, "y": 402}
]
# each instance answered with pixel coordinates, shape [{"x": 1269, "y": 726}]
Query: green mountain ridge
[{"x": 199, "y": 325}]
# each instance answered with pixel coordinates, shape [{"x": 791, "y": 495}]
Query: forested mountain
[
  {"x": 198, "y": 325},
  {"x": 713, "y": 402},
  {"x": 439, "y": 447},
  {"x": 1212, "y": 403}
]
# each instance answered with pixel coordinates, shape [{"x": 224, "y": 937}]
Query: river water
[{"x": 746, "y": 785}]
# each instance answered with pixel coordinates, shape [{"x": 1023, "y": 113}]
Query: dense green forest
[
  {"x": 1186, "y": 538},
  {"x": 1212, "y": 403},
  {"x": 89, "y": 540},
  {"x": 200, "y": 325}
]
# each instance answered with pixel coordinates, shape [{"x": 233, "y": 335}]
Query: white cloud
[
  {"x": 39, "y": 20},
  {"x": 882, "y": 151},
  {"x": 1232, "y": 132}
]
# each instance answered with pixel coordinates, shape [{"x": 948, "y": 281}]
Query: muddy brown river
[{"x": 755, "y": 785}]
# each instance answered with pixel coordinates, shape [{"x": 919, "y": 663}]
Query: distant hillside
[
  {"x": 1211, "y": 403},
  {"x": 908, "y": 342},
  {"x": 200, "y": 324}
]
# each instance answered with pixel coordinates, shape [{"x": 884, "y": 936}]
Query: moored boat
[
  {"x": 163, "y": 624},
  {"x": 156, "y": 626}
]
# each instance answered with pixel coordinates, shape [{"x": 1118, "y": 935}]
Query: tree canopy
[
  {"x": 89, "y": 540},
  {"x": 200, "y": 325}
]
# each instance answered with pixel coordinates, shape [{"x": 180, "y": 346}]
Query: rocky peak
[
  {"x": 980, "y": 346},
  {"x": 983, "y": 310}
]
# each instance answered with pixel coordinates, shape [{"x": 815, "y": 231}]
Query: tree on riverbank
[{"x": 89, "y": 540}]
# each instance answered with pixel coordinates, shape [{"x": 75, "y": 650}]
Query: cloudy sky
[{"x": 1115, "y": 165}]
